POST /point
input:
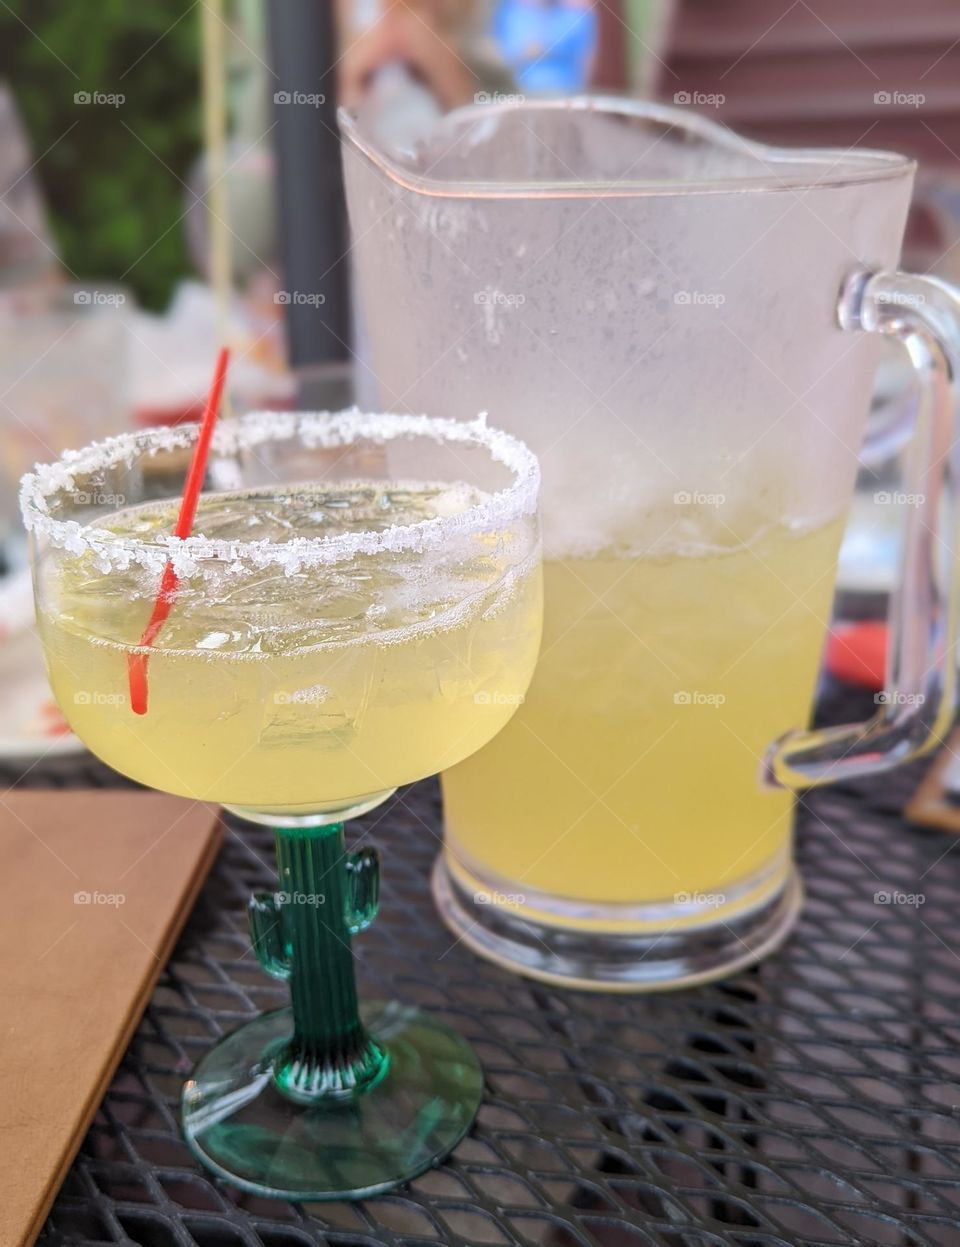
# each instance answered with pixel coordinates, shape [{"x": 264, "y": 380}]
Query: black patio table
[{"x": 811, "y": 1101}]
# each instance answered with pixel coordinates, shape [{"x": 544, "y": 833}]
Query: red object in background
[
  {"x": 53, "y": 722},
  {"x": 857, "y": 652},
  {"x": 181, "y": 413},
  {"x": 610, "y": 61}
]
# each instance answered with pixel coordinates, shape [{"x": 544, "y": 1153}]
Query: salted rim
[{"x": 317, "y": 429}]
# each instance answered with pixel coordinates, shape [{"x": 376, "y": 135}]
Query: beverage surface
[
  {"x": 296, "y": 692},
  {"x": 242, "y": 609}
]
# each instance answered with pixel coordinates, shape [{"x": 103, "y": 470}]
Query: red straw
[{"x": 137, "y": 661}]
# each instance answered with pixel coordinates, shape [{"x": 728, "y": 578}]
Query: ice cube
[{"x": 322, "y": 716}]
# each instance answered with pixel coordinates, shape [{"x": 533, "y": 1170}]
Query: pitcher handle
[{"x": 921, "y": 681}]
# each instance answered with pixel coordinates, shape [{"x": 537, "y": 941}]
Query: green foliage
[{"x": 111, "y": 175}]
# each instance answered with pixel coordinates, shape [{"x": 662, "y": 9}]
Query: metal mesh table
[{"x": 813, "y": 1100}]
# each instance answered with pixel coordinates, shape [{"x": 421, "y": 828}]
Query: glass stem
[{"x": 302, "y": 933}]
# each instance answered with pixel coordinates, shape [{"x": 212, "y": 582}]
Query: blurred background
[{"x": 170, "y": 179}]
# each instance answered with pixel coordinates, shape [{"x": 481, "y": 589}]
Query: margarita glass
[{"x": 359, "y": 607}]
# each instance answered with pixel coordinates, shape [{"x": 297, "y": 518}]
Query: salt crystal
[{"x": 326, "y": 430}]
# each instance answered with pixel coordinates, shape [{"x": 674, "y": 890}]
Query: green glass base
[{"x": 240, "y": 1125}]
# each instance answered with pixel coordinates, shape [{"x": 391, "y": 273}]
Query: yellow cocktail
[
  {"x": 626, "y": 793},
  {"x": 278, "y": 691}
]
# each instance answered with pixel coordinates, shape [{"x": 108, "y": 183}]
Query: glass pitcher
[{"x": 684, "y": 325}]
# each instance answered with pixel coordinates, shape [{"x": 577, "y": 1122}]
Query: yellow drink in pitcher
[
  {"x": 630, "y": 774},
  {"x": 293, "y": 693}
]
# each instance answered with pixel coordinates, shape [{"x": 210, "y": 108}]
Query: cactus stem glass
[
  {"x": 359, "y": 605},
  {"x": 327, "y": 1099}
]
